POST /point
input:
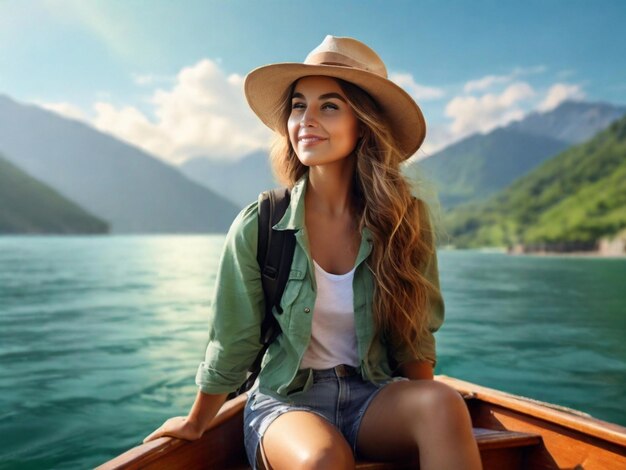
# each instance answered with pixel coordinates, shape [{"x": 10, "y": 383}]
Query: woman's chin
[{"x": 316, "y": 159}]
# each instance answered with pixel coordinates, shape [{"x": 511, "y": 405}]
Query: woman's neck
[{"x": 329, "y": 189}]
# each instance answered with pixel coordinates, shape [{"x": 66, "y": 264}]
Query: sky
[{"x": 168, "y": 76}]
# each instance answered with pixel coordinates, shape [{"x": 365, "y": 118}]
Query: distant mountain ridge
[
  {"x": 572, "y": 121},
  {"x": 29, "y": 206},
  {"x": 480, "y": 165},
  {"x": 573, "y": 199},
  {"x": 240, "y": 181},
  {"x": 134, "y": 191}
]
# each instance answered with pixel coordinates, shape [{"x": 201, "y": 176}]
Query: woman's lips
[{"x": 308, "y": 140}]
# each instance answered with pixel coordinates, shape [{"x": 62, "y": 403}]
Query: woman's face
[{"x": 322, "y": 126}]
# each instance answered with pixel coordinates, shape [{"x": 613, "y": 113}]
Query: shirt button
[{"x": 307, "y": 310}]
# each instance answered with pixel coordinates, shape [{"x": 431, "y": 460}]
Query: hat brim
[{"x": 265, "y": 86}]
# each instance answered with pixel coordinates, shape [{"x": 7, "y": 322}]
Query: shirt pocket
[
  {"x": 293, "y": 293},
  {"x": 293, "y": 288}
]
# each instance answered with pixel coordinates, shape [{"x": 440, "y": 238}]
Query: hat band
[{"x": 335, "y": 58}]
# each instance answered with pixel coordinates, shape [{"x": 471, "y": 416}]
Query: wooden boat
[{"x": 512, "y": 432}]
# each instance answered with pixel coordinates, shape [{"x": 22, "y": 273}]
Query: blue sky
[{"x": 166, "y": 76}]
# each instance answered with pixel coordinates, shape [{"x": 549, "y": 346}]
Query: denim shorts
[{"x": 339, "y": 395}]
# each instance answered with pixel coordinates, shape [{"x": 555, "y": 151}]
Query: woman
[{"x": 362, "y": 299}]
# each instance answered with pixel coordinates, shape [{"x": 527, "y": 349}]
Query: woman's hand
[
  {"x": 191, "y": 427},
  {"x": 179, "y": 427}
]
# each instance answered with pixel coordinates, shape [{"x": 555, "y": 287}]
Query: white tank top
[{"x": 333, "y": 337}]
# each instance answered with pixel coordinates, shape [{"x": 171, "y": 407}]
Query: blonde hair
[{"x": 403, "y": 240}]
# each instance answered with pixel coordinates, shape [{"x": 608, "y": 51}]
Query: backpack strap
[
  {"x": 275, "y": 247},
  {"x": 275, "y": 250}
]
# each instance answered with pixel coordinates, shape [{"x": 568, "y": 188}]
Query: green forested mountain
[
  {"x": 480, "y": 165},
  {"x": 29, "y": 206},
  {"x": 578, "y": 196}
]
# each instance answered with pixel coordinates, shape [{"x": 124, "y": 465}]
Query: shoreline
[
  {"x": 560, "y": 254},
  {"x": 573, "y": 254}
]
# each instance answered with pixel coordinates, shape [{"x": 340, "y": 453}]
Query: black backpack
[{"x": 275, "y": 250}]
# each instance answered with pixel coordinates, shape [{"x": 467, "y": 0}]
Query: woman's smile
[{"x": 309, "y": 140}]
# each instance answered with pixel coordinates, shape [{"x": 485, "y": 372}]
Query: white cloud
[
  {"x": 558, "y": 93},
  {"x": 472, "y": 114},
  {"x": 417, "y": 91},
  {"x": 516, "y": 92},
  {"x": 127, "y": 123},
  {"x": 483, "y": 104},
  {"x": 490, "y": 81},
  {"x": 485, "y": 83},
  {"x": 204, "y": 113}
]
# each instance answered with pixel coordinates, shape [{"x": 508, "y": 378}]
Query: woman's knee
[
  {"x": 439, "y": 401},
  {"x": 302, "y": 440},
  {"x": 437, "y": 394},
  {"x": 337, "y": 456}
]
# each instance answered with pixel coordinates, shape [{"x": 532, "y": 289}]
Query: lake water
[{"x": 100, "y": 337}]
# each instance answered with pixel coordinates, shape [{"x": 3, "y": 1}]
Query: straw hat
[{"x": 349, "y": 60}]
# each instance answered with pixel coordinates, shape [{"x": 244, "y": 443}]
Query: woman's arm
[
  {"x": 417, "y": 370},
  {"x": 192, "y": 426}
]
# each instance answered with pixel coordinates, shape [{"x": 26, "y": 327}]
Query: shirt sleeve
[
  {"x": 426, "y": 347},
  {"x": 236, "y": 311}
]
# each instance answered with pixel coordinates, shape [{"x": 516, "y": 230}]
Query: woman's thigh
[
  {"x": 304, "y": 440},
  {"x": 411, "y": 417}
]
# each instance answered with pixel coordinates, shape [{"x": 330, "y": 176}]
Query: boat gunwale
[
  {"x": 145, "y": 453},
  {"x": 573, "y": 420}
]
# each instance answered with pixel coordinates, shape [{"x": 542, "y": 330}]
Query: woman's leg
[
  {"x": 420, "y": 416},
  {"x": 304, "y": 440}
]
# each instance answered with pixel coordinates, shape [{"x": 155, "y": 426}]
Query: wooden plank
[
  {"x": 498, "y": 450},
  {"x": 493, "y": 439}
]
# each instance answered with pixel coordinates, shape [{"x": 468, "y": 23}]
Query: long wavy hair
[{"x": 403, "y": 239}]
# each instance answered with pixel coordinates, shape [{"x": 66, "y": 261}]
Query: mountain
[
  {"x": 120, "y": 183},
  {"x": 480, "y": 165},
  {"x": 29, "y": 206},
  {"x": 573, "y": 199},
  {"x": 572, "y": 121},
  {"x": 240, "y": 181}
]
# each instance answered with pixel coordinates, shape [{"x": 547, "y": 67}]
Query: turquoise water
[{"x": 100, "y": 337}]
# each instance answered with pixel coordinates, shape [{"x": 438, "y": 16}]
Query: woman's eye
[
  {"x": 297, "y": 106},
  {"x": 330, "y": 106}
]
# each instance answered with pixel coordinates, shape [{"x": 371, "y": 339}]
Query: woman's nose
[{"x": 308, "y": 118}]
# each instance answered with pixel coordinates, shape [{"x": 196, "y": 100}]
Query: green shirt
[{"x": 237, "y": 311}]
